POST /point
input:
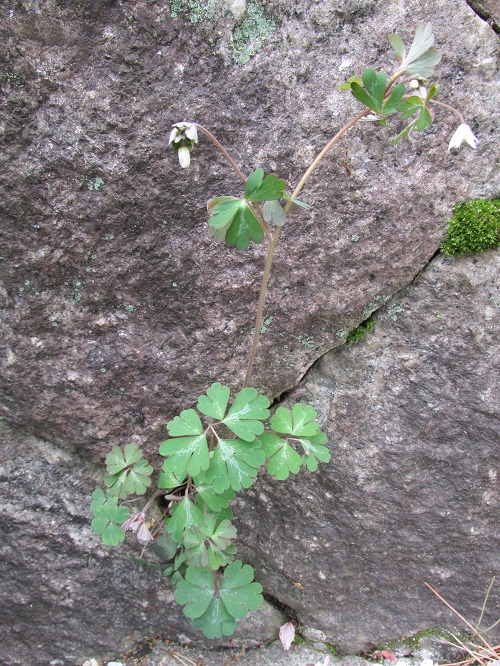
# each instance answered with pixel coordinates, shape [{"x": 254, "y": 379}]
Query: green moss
[
  {"x": 300, "y": 640},
  {"x": 249, "y": 37},
  {"x": 195, "y": 11},
  {"x": 361, "y": 330},
  {"x": 474, "y": 227},
  {"x": 413, "y": 642},
  {"x": 332, "y": 649}
]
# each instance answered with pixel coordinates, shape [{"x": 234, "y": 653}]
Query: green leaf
[
  {"x": 223, "y": 213},
  {"x": 215, "y": 606},
  {"x": 108, "y": 517},
  {"x": 375, "y": 85},
  {"x": 283, "y": 459},
  {"x": 189, "y": 454},
  {"x": 169, "y": 480},
  {"x": 299, "y": 422},
  {"x": 362, "y": 96},
  {"x": 424, "y": 66},
  {"x": 214, "y": 403},
  {"x": 399, "y": 48},
  {"x": 421, "y": 58},
  {"x": 395, "y": 98},
  {"x": 165, "y": 547},
  {"x": 410, "y": 106},
  {"x": 269, "y": 189},
  {"x": 188, "y": 423},
  {"x": 247, "y": 412},
  {"x": 274, "y": 213},
  {"x": 215, "y": 502},
  {"x": 234, "y": 464},
  {"x": 243, "y": 228},
  {"x": 209, "y": 544},
  {"x": 195, "y": 591},
  {"x": 347, "y": 85},
  {"x": 128, "y": 472},
  {"x": 297, "y": 202},
  {"x": 216, "y": 621},
  {"x": 253, "y": 181},
  {"x": 404, "y": 133},
  {"x": 424, "y": 120},
  {"x": 238, "y": 590},
  {"x": 314, "y": 451},
  {"x": 184, "y": 515}
]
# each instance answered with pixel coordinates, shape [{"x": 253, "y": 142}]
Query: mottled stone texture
[
  {"x": 411, "y": 494},
  {"x": 64, "y": 595},
  {"x": 117, "y": 311}
]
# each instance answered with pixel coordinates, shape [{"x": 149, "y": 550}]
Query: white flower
[
  {"x": 414, "y": 84},
  {"x": 182, "y": 131},
  {"x": 463, "y": 133},
  {"x": 426, "y": 662},
  {"x": 182, "y": 138},
  {"x": 184, "y": 157}
]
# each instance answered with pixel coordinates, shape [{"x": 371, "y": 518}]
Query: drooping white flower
[
  {"x": 183, "y": 130},
  {"x": 463, "y": 133},
  {"x": 182, "y": 139},
  {"x": 184, "y": 157}
]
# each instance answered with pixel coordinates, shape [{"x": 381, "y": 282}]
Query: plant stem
[
  {"x": 274, "y": 241},
  {"x": 451, "y": 108},
  {"x": 228, "y": 157},
  {"x": 223, "y": 151}
]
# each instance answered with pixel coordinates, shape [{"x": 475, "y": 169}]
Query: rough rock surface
[
  {"x": 117, "y": 311},
  {"x": 411, "y": 493},
  {"x": 64, "y": 595}
]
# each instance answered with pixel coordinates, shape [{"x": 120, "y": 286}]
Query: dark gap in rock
[{"x": 482, "y": 9}]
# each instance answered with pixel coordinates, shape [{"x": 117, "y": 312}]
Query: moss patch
[
  {"x": 249, "y": 37},
  {"x": 361, "y": 330},
  {"x": 475, "y": 227}
]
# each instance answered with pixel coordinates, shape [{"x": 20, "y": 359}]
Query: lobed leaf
[
  {"x": 421, "y": 58},
  {"x": 299, "y": 421},
  {"x": 274, "y": 213},
  {"x": 247, "y": 412},
  {"x": 234, "y": 464},
  {"x": 108, "y": 517},
  {"x": 209, "y": 544},
  {"x": 283, "y": 458},
  {"x": 184, "y": 515},
  {"x": 188, "y": 454},
  {"x": 394, "y": 99},
  {"x": 214, "y": 403},
  {"x": 314, "y": 451},
  {"x": 215, "y": 501},
  {"x": 243, "y": 228},
  {"x": 214, "y": 607},
  {"x": 259, "y": 188}
]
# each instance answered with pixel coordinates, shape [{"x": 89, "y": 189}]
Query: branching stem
[{"x": 274, "y": 241}]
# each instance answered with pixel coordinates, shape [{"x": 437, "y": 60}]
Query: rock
[
  {"x": 117, "y": 310},
  {"x": 411, "y": 413},
  {"x": 64, "y": 595}
]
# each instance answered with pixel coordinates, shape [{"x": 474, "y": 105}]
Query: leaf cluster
[
  {"x": 238, "y": 221},
  {"x": 213, "y": 451}
]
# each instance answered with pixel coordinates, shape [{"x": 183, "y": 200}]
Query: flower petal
[
  {"x": 184, "y": 157},
  {"x": 287, "y": 634}
]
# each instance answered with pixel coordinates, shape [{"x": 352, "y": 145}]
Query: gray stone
[
  {"x": 411, "y": 413},
  {"x": 64, "y": 595},
  {"x": 117, "y": 311}
]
